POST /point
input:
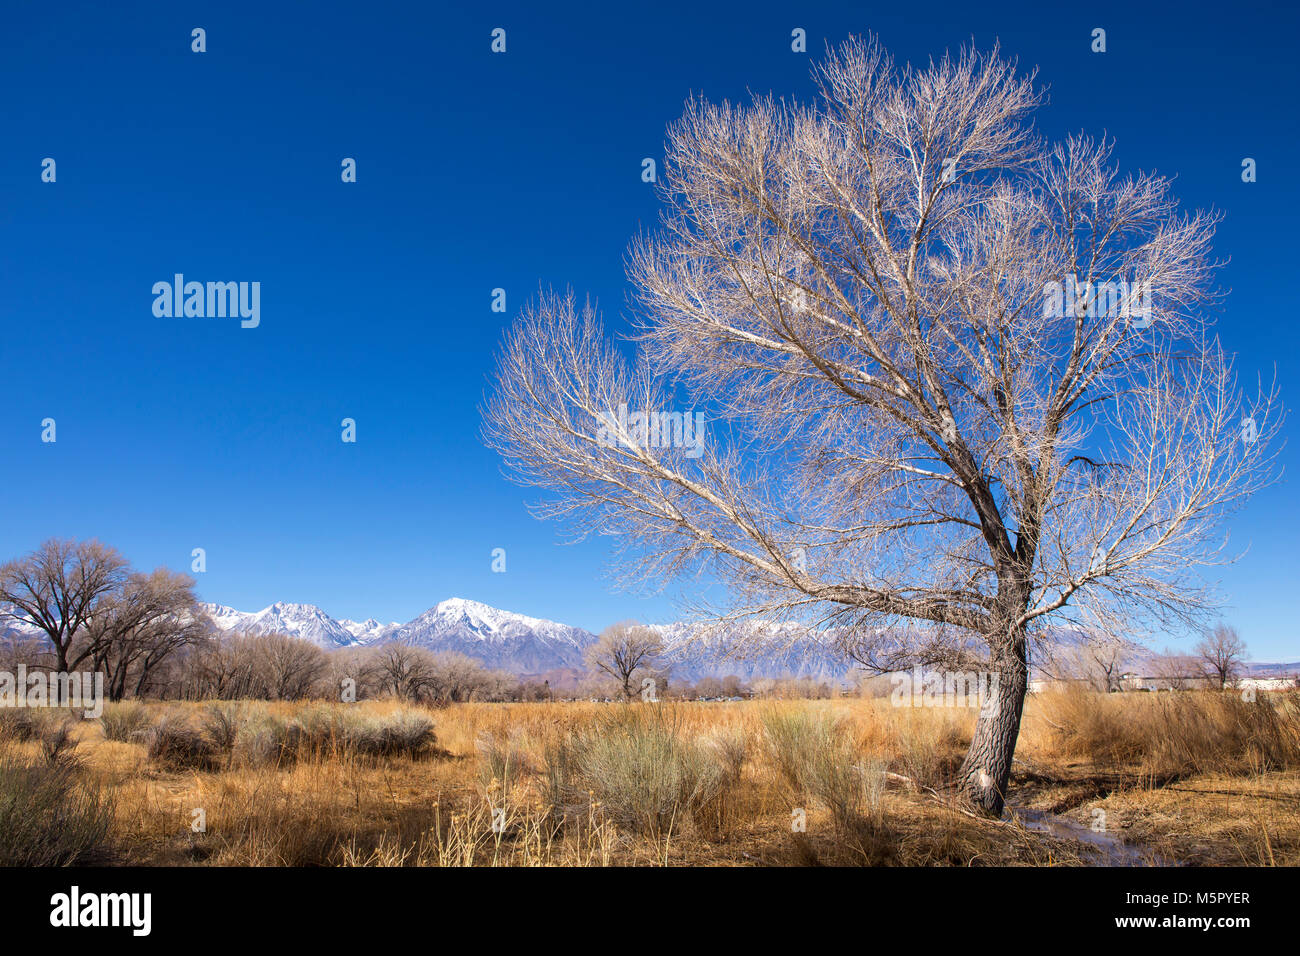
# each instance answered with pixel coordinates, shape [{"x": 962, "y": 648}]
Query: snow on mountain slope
[
  {"x": 500, "y": 639},
  {"x": 524, "y": 645},
  {"x": 750, "y": 653},
  {"x": 298, "y": 620},
  {"x": 15, "y": 624},
  {"x": 369, "y": 631}
]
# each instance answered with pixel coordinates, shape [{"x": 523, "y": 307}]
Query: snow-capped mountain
[
  {"x": 16, "y": 625},
  {"x": 786, "y": 652},
  {"x": 369, "y": 631},
  {"x": 523, "y": 645},
  {"x": 298, "y": 620},
  {"x": 500, "y": 639}
]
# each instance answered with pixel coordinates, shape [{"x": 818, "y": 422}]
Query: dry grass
[
  {"x": 1204, "y": 778},
  {"x": 1168, "y": 733},
  {"x": 51, "y": 813}
]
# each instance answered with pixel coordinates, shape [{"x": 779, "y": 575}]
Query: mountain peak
[
  {"x": 291, "y": 607},
  {"x": 464, "y": 606},
  {"x": 283, "y": 617},
  {"x": 460, "y": 603}
]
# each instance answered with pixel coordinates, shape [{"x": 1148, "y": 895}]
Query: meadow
[{"x": 1197, "y": 777}]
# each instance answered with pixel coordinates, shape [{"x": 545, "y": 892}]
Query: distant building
[
  {"x": 1134, "y": 681},
  {"x": 1038, "y": 685},
  {"x": 1268, "y": 683}
]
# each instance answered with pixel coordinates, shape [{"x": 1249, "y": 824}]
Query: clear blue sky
[{"x": 475, "y": 171}]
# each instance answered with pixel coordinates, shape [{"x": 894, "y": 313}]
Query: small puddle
[{"x": 1110, "y": 851}]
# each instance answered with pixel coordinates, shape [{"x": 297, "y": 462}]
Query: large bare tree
[
  {"x": 141, "y": 625},
  {"x": 404, "y": 671},
  {"x": 288, "y": 667},
  {"x": 959, "y": 386},
  {"x": 59, "y": 587}
]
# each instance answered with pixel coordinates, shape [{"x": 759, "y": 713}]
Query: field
[{"x": 1196, "y": 778}]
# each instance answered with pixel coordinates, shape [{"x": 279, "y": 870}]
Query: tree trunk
[{"x": 986, "y": 771}]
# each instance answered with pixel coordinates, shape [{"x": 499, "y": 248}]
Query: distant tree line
[
  {"x": 147, "y": 634},
  {"x": 1216, "y": 661}
]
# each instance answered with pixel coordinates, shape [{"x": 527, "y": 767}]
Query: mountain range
[{"x": 522, "y": 645}]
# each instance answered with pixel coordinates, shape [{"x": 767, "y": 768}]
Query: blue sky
[{"x": 475, "y": 171}]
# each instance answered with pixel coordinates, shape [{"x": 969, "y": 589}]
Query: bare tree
[
  {"x": 360, "y": 665},
  {"x": 135, "y": 629},
  {"x": 624, "y": 651},
  {"x": 458, "y": 677},
  {"x": 223, "y": 668},
  {"x": 287, "y": 668},
  {"x": 1221, "y": 653},
  {"x": 405, "y": 672},
  {"x": 59, "y": 587},
  {"x": 1097, "y": 661},
  {"x": 708, "y": 687},
  {"x": 1176, "y": 671},
  {"x": 960, "y": 385}
]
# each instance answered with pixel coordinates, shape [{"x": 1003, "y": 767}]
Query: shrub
[
  {"x": 817, "y": 757},
  {"x": 919, "y": 754},
  {"x": 49, "y": 817},
  {"x": 22, "y": 724},
  {"x": 646, "y": 773},
  {"x": 791, "y": 736},
  {"x": 559, "y": 769},
  {"x": 851, "y": 791},
  {"x": 320, "y": 731},
  {"x": 402, "y": 734},
  {"x": 221, "y": 726},
  {"x": 504, "y": 761},
  {"x": 729, "y": 747},
  {"x": 1176, "y": 732},
  {"x": 269, "y": 740},
  {"x": 175, "y": 745},
  {"x": 58, "y": 745},
  {"x": 125, "y": 723}
]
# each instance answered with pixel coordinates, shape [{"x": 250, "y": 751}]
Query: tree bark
[{"x": 986, "y": 771}]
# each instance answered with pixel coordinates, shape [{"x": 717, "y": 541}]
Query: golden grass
[{"x": 1199, "y": 779}]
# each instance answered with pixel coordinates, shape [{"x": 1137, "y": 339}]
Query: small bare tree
[
  {"x": 1176, "y": 671},
  {"x": 1098, "y": 662},
  {"x": 625, "y": 651},
  {"x": 1221, "y": 653},
  {"x": 960, "y": 387}
]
